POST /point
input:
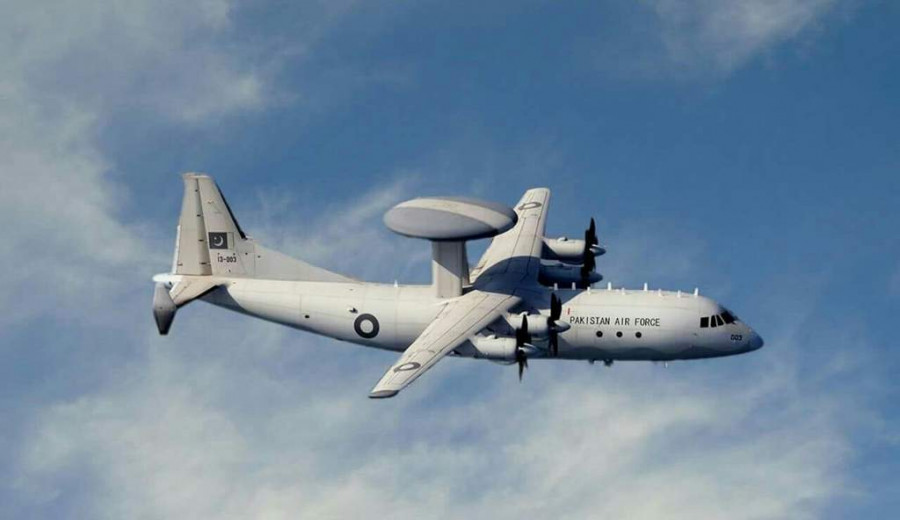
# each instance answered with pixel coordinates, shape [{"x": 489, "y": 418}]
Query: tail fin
[
  {"x": 211, "y": 247},
  {"x": 191, "y": 254},
  {"x": 211, "y": 242}
]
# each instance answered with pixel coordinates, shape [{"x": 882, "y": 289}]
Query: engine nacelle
[
  {"x": 564, "y": 249},
  {"x": 501, "y": 349},
  {"x": 565, "y": 275},
  {"x": 494, "y": 348},
  {"x": 570, "y": 251},
  {"x": 537, "y": 324}
]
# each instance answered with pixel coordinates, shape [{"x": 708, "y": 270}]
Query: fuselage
[{"x": 605, "y": 324}]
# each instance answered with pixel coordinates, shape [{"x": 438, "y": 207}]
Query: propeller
[
  {"x": 589, "y": 263},
  {"x": 554, "y": 328},
  {"x": 590, "y": 236},
  {"x": 522, "y": 338}
]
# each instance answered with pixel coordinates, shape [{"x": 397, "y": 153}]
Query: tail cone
[{"x": 163, "y": 309}]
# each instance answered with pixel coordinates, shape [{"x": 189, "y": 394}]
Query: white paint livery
[{"x": 499, "y": 311}]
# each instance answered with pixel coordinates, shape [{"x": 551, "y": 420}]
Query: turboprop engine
[
  {"x": 498, "y": 348},
  {"x": 564, "y": 249},
  {"x": 540, "y": 326},
  {"x": 537, "y": 327},
  {"x": 574, "y": 251},
  {"x": 518, "y": 349}
]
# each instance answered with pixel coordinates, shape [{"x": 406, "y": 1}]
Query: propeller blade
[
  {"x": 555, "y": 313},
  {"x": 522, "y": 361},
  {"x": 555, "y": 308},
  {"x": 522, "y": 338},
  {"x": 522, "y": 335},
  {"x": 587, "y": 268},
  {"x": 589, "y": 263}
]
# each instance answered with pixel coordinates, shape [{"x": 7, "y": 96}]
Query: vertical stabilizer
[
  {"x": 211, "y": 242},
  {"x": 211, "y": 249},
  {"x": 191, "y": 253},
  {"x": 231, "y": 253}
]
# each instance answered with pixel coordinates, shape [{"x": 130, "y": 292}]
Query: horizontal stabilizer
[{"x": 190, "y": 288}]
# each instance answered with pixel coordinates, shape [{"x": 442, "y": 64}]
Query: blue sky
[{"x": 748, "y": 148}]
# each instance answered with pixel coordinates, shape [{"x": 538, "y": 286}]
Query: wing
[
  {"x": 460, "y": 319},
  {"x": 515, "y": 256}
]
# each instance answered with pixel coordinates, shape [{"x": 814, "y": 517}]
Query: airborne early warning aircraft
[{"x": 529, "y": 296}]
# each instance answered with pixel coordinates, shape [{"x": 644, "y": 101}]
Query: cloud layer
[
  {"x": 709, "y": 38},
  {"x": 210, "y": 427}
]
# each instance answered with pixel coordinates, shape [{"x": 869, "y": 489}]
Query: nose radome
[{"x": 756, "y": 342}]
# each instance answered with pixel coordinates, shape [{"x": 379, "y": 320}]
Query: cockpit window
[{"x": 718, "y": 320}]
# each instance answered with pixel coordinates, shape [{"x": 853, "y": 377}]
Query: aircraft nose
[{"x": 756, "y": 342}]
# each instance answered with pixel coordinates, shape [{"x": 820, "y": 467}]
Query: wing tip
[{"x": 382, "y": 394}]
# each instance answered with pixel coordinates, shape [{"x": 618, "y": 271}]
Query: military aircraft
[{"x": 529, "y": 297}]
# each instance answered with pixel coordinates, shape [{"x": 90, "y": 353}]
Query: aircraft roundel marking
[
  {"x": 412, "y": 365},
  {"x": 366, "y": 326},
  {"x": 529, "y": 205}
]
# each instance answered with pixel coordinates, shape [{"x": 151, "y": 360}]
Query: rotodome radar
[{"x": 450, "y": 218}]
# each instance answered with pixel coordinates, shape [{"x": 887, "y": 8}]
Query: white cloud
[
  {"x": 349, "y": 236},
  {"x": 70, "y": 68},
  {"x": 62, "y": 238},
  {"x": 60, "y": 79},
  {"x": 691, "y": 38},
  {"x": 159, "y": 57},
  {"x": 653, "y": 250},
  {"x": 172, "y": 438},
  {"x": 728, "y": 34}
]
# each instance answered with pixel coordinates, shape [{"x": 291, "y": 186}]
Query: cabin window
[
  {"x": 619, "y": 334},
  {"x": 599, "y": 333},
  {"x": 704, "y": 322},
  {"x": 637, "y": 335}
]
